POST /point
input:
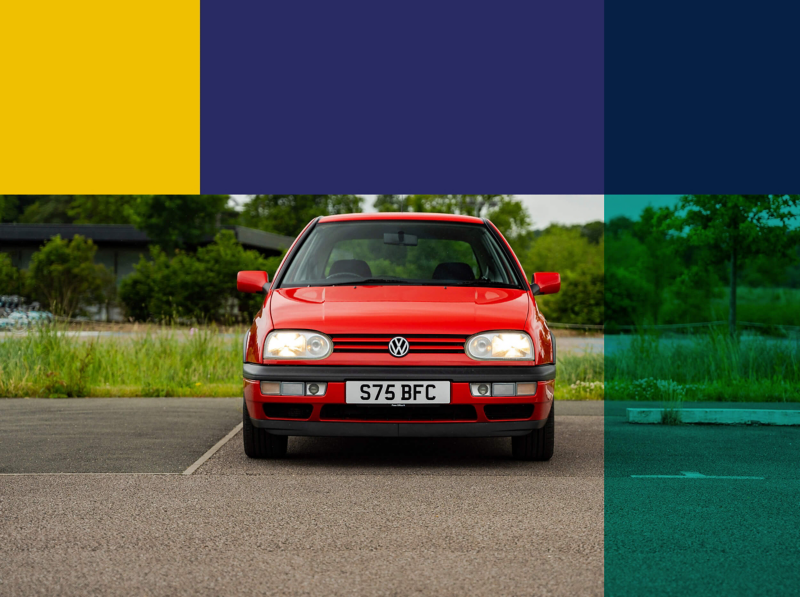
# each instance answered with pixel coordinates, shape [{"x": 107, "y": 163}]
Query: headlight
[
  {"x": 297, "y": 344},
  {"x": 500, "y": 346}
]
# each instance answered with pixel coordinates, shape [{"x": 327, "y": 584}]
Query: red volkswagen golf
[{"x": 410, "y": 325}]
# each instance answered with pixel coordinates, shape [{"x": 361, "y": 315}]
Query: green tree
[
  {"x": 508, "y": 214},
  {"x": 12, "y": 280},
  {"x": 735, "y": 229},
  {"x": 391, "y": 203},
  {"x": 571, "y": 252},
  {"x": 44, "y": 209},
  {"x": 64, "y": 276},
  {"x": 199, "y": 287},
  {"x": 9, "y": 208},
  {"x": 289, "y": 214},
  {"x": 177, "y": 221},
  {"x": 102, "y": 209}
]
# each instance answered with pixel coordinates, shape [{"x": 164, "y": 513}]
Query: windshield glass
[{"x": 400, "y": 252}]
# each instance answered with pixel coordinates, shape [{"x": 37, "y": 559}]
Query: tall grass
[
  {"x": 176, "y": 362},
  {"x": 160, "y": 362},
  {"x": 710, "y": 366},
  {"x": 580, "y": 376}
]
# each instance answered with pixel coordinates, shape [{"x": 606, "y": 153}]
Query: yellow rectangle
[{"x": 100, "y": 96}]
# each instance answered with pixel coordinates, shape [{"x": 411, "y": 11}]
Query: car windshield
[{"x": 400, "y": 252}]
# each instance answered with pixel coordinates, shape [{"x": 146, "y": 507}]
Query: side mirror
[
  {"x": 252, "y": 282},
  {"x": 546, "y": 283}
]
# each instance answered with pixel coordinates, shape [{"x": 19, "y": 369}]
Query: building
[{"x": 119, "y": 247}]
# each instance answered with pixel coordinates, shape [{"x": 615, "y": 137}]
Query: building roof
[
  {"x": 120, "y": 234},
  {"x": 403, "y": 216}
]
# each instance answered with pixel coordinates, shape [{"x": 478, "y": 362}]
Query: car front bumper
[
  {"x": 420, "y": 429},
  {"x": 317, "y": 423}
]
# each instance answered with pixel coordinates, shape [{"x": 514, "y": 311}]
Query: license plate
[{"x": 397, "y": 392}]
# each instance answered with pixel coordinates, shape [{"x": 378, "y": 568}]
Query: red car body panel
[{"x": 396, "y": 311}]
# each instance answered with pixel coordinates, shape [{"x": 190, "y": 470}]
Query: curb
[{"x": 718, "y": 416}]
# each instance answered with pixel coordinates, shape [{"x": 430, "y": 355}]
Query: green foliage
[
  {"x": 64, "y": 276},
  {"x": 289, "y": 214},
  {"x": 713, "y": 366},
  {"x": 735, "y": 229},
  {"x": 155, "y": 362},
  {"x": 9, "y": 208},
  {"x": 45, "y": 209},
  {"x": 177, "y": 221},
  {"x": 102, "y": 209},
  {"x": 197, "y": 287},
  {"x": 749, "y": 225},
  {"x": 169, "y": 361},
  {"x": 12, "y": 280},
  {"x": 571, "y": 252},
  {"x": 508, "y": 214}
]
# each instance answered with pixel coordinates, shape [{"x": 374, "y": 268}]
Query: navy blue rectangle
[
  {"x": 434, "y": 96},
  {"x": 702, "y": 97}
]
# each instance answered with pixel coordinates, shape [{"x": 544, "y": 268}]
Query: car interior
[{"x": 453, "y": 270}]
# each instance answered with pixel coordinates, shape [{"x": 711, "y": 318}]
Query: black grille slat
[
  {"x": 494, "y": 412},
  {"x": 283, "y": 410},
  {"x": 439, "y": 412}
]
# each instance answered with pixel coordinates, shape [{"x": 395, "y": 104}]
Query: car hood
[{"x": 399, "y": 309}]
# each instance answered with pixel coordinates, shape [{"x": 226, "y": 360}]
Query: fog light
[
  {"x": 312, "y": 389},
  {"x": 480, "y": 389}
]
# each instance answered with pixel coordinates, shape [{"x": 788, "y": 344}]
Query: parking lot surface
[
  {"x": 339, "y": 516},
  {"x": 111, "y": 435},
  {"x": 701, "y": 509}
]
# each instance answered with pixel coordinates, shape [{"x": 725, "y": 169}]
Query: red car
[{"x": 409, "y": 325}]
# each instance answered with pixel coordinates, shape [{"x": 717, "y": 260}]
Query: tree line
[
  {"x": 671, "y": 265},
  {"x": 182, "y": 280}
]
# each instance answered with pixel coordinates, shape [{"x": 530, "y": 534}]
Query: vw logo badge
[{"x": 398, "y": 347}]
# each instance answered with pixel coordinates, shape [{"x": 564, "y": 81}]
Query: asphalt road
[
  {"x": 682, "y": 534},
  {"x": 337, "y": 517},
  {"x": 111, "y": 435}
]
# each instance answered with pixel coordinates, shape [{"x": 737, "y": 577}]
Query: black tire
[
  {"x": 538, "y": 444},
  {"x": 260, "y": 443}
]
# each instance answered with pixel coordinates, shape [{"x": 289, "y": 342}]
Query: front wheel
[
  {"x": 260, "y": 443},
  {"x": 538, "y": 444}
]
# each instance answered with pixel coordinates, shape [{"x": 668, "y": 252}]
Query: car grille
[
  {"x": 494, "y": 412},
  {"x": 440, "y": 412},
  {"x": 281, "y": 410},
  {"x": 417, "y": 343}
]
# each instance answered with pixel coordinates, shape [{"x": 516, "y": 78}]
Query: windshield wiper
[
  {"x": 483, "y": 283},
  {"x": 368, "y": 281}
]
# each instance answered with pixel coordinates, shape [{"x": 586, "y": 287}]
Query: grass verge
[
  {"x": 176, "y": 362},
  {"x": 160, "y": 362},
  {"x": 712, "y": 367}
]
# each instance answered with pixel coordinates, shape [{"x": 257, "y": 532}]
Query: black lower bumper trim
[
  {"x": 487, "y": 373},
  {"x": 326, "y": 429}
]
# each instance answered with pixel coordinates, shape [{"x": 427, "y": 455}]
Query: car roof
[{"x": 402, "y": 216}]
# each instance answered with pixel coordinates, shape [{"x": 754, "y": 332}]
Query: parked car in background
[
  {"x": 410, "y": 325},
  {"x": 16, "y": 313}
]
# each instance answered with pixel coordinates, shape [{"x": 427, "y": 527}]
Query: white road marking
[
  {"x": 690, "y": 475},
  {"x": 213, "y": 450}
]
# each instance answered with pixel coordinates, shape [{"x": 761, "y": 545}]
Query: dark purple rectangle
[{"x": 388, "y": 97}]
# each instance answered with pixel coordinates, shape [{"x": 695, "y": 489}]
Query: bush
[
  {"x": 64, "y": 276},
  {"x": 200, "y": 287},
  {"x": 580, "y": 263},
  {"x": 12, "y": 280}
]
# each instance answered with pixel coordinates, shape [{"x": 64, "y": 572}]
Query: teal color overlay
[{"x": 693, "y": 509}]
